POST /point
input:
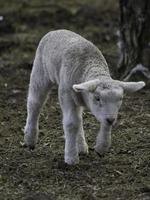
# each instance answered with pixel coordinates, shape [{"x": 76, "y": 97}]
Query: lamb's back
[{"x": 66, "y": 54}]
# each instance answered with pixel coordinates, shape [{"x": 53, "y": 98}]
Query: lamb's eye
[{"x": 97, "y": 98}]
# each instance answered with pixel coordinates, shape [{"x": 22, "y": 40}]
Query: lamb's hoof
[
  {"x": 83, "y": 150},
  {"x": 31, "y": 147},
  {"x": 30, "y": 141},
  {"x": 101, "y": 150},
  {"x": 72, "y": 161}
]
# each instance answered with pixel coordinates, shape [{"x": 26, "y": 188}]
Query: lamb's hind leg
[
  {"x": 82, "y": 145},
  {"x": 38, "y": 90}
]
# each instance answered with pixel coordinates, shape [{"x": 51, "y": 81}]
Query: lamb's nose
[{"x": 110, "y": 120}]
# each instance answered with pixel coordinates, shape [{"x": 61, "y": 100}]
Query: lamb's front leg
[
  {"x": 103, "y": 141},
  {"x": 71, "y": 125},
  {"x": 71, "y": 129}
]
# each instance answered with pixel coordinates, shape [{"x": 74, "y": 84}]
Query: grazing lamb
[{"x": 82, "y": 75}]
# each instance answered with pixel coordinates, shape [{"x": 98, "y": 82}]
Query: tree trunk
[{"x": 134, "y": 39}]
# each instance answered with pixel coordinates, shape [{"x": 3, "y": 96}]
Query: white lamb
[{"x": 82, "y": 75}]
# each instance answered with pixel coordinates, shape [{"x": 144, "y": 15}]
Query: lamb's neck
[{"x": 96, "y": 72}]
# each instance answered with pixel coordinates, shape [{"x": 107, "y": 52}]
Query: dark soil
[{"x": 122, "y": 174}]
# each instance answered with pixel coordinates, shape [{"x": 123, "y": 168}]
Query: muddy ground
[{"x": 122, "y": 174}]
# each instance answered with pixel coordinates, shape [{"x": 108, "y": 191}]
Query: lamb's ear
[
  {"x": 88, "y": 86},
  {"x": 132, "y": 86}
]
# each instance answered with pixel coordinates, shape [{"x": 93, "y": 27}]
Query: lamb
[{"x": 81, "y": 72}]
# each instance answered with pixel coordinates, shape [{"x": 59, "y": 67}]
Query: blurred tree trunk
[{"x": 134, "y": 42}]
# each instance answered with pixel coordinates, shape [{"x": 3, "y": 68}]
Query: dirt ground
[{"x": 123, "y": 173}]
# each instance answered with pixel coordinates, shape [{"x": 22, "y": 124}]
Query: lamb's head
[{"x": 104, "y": 98}]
